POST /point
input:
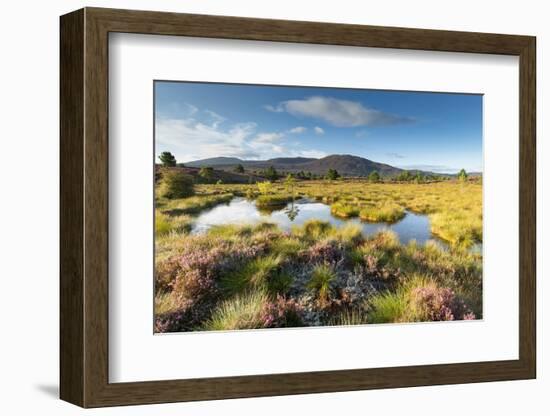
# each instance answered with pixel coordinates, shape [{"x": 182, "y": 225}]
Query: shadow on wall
[{"x": 51, "y": 390}]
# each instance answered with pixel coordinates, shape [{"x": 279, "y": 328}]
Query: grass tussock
[
  {"x": 387, "y": 213},
  {"x": 269, "y": 201},
  {"x": 349, "y": 317},
  {"x": 255, "y": 274},
  {"x": 349, "y": 234},
  {"x": 193, "y": 205},
  {"x": 320, "y": 282},
  {"x": 344, "y": 210},
  {"x": 244, "y": 311},
  {"x": 313, "y": 230},
  {"x": 418, "y": 299},
  {"x": 164, "y": 224}
]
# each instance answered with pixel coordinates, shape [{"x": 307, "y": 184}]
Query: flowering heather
[
  {"x": 440, "y": 304},
  {"x": 282, "y": 313},
  {"x": 325, "y": 251},
  {"x": 166, "y": 272},
  {"x": 188, "y": 318},
  {"x": 194, "y": 273}
]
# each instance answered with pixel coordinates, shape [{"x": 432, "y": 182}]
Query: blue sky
[{"x": 413, "y": 130}]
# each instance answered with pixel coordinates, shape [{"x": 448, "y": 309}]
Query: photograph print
[{"x": 287, "y": 206}]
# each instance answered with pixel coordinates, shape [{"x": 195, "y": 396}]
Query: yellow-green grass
[
  {"x": 320, "y": 281},
  {"x": 165, "y": 224},
  {"x": 461, "y": 228},
  {"x": 267, "y": 201},
  {"x": 256, "y": 274},
  {"x": 402, "y": 304},
  {"x": 349, "y": 317},
  {"x": 454, "y": 207},
  {"x": 347, "y": 234},
  {"x": 344, "y": 210},
  {"x": 243, "y": 311},
  {"x": 384, "y": 213},
  {"x": 312, "y": 230},
  {"x": 165, "y": 303},
  {"x": 287, "y": 247},
  {"x": 191, "y": 205}
]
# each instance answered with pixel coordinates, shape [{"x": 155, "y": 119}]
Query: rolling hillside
[{"x": 346, "y": 165}]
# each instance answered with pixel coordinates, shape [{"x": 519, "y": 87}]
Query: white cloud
[
  {"x": 189, "y": 139},
  {"x": 268, "y": 137},
  {"x": 215, "y": 118},
  {"x": 336, "y": 112},
  {"x": 274, "y": 109},
  {"x": 318, "y": 130},
  {"x": 311, "y": 153},
  {"x": 298, "y": 130},
  {"x": 191, "y": 109},
  {"x": 431, "y": 168}
]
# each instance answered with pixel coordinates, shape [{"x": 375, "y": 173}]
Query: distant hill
[
  {"x": 214, "y": 161},
  {"x": 349, "y": 165},
  {"x": 346, "y": 165}
]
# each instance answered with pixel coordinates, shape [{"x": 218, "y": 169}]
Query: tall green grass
[
  {"x": 165, "y": 224},
  {"x": 321, "y": 278},
  {"x": 313, "y": 230},
  {"x": 349, "y": 317},
  {"x": 244, "y": 311},
  {"x": 255, "y": 274}
]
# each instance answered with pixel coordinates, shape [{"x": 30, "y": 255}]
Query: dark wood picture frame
[{"x": 84, "y": 207}]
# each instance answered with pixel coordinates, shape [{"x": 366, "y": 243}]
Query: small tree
[
  {"x": 167, "y": 159},
  {"x": 239, "y": 168},
  {"x": 206, "y": 173},
  {"x": 332, "y": 174},
  {"x": 419, "y": 178},
  {"x": 271, "y": 174},
  {"x": 462, "y": 175},
  {"x": 264, "y": 187},
  {"x": 289, "y": 184},
  {"x": 176, "y": 184},
  {"x": 374, "y": 176},
  {"x": 404, "y": 176}
]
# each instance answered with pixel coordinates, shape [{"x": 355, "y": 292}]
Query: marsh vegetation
[{"x": 337, "y": 251}]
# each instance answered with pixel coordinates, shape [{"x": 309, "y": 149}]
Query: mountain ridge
[{"x": 345, "y": 164}]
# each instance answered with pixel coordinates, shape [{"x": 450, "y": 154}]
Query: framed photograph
[{"x": 257, "y": 207}]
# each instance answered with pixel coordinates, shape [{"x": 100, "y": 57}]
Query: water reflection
[
  {"x": 242, "y": 211},
  {"x": 292, "y": 211}
]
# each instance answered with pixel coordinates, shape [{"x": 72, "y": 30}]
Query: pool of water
[{"x": 242, "y": 211}]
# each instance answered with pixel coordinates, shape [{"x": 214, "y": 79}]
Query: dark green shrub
[
  {"x": 167, "y": 159},
  {"x": 176, "y": 184}
]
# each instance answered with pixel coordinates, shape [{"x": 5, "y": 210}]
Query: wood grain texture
[
  {"x": 71, "y": 208},
  {"x": 527, "y": 207},
  {"x": 84, "y": 204}
]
